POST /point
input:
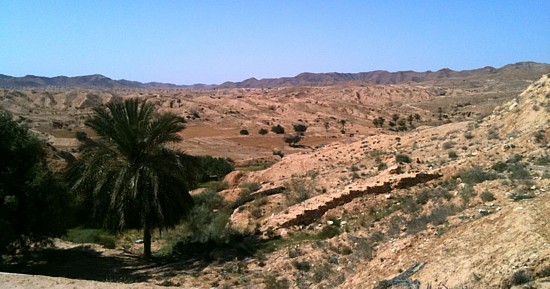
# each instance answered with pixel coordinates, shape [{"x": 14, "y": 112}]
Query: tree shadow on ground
[
  {"x": 85, "y": 262},
  {"x": 88, "y": 263}
]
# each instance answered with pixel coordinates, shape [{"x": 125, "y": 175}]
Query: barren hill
[{"x": 462, "y": 193}]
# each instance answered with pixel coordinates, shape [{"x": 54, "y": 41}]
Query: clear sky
[{"x": 187, "y": 42}]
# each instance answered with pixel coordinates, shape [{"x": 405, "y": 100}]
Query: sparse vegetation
[
  {"x": 477, "y": 175},
  {"x": 263, "y": 131},
  {"x": 292, "y": 140},
  {"x": 487, "y": 196},
  {"x": 402, "y": 158},
  {"x": 452, "y": 155},
  {"x": 300, "y": 128},
  {"x": 278, "y": 129},
  {"x": 243, "y": 132}
]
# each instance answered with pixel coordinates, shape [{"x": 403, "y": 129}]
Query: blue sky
[{"x": 186, "y": 42}]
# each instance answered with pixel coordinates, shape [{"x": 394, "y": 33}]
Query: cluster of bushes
[
  {"x": 210, "y": 168},
  {"x": 34, "y": 202}
]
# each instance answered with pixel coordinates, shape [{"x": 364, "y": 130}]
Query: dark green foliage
[
  {"x": 211, "y": 168},
  {"x": 477, "y": 175},
  {"x": 33, "y": 202},
  {"x": 302, "y": 265},
  {"x": 402, "y": 158},
  {"x": 300, "y": 128},
  {"x": 207, "y": 219},
  {"x": 487, "y": 196},
  {"x": 322, "y": 272},
  {"x": 423, "y": 197},
  {"x": 292, "y": 139},
  {"x": 543, "y": 160},
  {"x": 540, "y": 137},
  {"x": 499, "y": 166},
  {"x": 278, "y": 153},
  {"x": 128, "y": 177},
  {"x": 81, "y": 136},
  {"x": 278, "y": 129},
  {"x": 329, "y": 231},
  {"x": 381, "y": 166},
  {"x": 271, "y": 282},
  {"x": 243, "y": 132},
  {"x": 448, "y": 145},
  {"x": 409, "y": 205},
  {"x": 453, "y": 155},
  {"x": 520, "y": 277},
  {"x": 263, "y": 131},
  {"x": 468, "y": 135},
  {"x": 98, "y": 236}
]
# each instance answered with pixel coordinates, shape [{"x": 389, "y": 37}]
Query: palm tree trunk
[{"x": 146, "y": 242}]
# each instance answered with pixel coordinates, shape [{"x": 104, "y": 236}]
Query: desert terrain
[{"x": 456, "y": 190}]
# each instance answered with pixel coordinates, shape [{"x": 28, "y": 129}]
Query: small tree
[
  {"x": 395, "y": 117},
  {"x": 300, "y": 128},
  {"x": 376, "y": 122},
  {"x": 278, "y": 129},
  {"x": 381, "y": 121},
  {"x": 326, "y": 124},
  {"x": 417, "y": 117},
  {"x": 402, "y": 125},
  {"x": 292, "y": 139},
  {"x": 410, "y": 118},
  {"x": 343, "y": 122},
  {"x": 263, "y": 131},
  {"x": 440, "y": 112}
]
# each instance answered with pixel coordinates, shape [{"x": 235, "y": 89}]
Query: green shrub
[
  {"x": 448, "y": 145},
  {"x": 487, "y": 196},
  {"x": 408, "y": 205},
  {"x": 207, "y": 220},
  {"x": 216, "y": 186},
  {"x": 453, "y": 155},
  {"x": 423, "y": 197},
  {"x": 543, "y": 160},
  {"x": 81, "y": 136},
  {"x": 300, "y": 128},
  {"x": 271, "y": 282},
  {"x": 263, "y": 131},
  {"x": 96, "y": 236},
  {"x": 302, "y": 265},
  {"x": 212, "y": 168},
  {"x": 322, "y": 272},
  {"x": 243, "y": 132},
  {"x": 521, "y": 277},
  {"x": 382, "y": 166},
  {"x": 250, "y": 186},
  {"x": 329, "y": 231},
  {"x": 278, "y": 129},
  {"x": 291, "y": 139},
  {"x": 492, "y": 133},
  {"x": 499, "y": 166},
  {"x": 477, "y": 175},
  {"x": 402, "y": 158}
]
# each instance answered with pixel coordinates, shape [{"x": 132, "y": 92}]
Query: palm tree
[{"x": 132, "y": 178}]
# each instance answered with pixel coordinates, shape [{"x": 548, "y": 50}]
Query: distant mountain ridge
[{"x": 531, "y": 70}]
